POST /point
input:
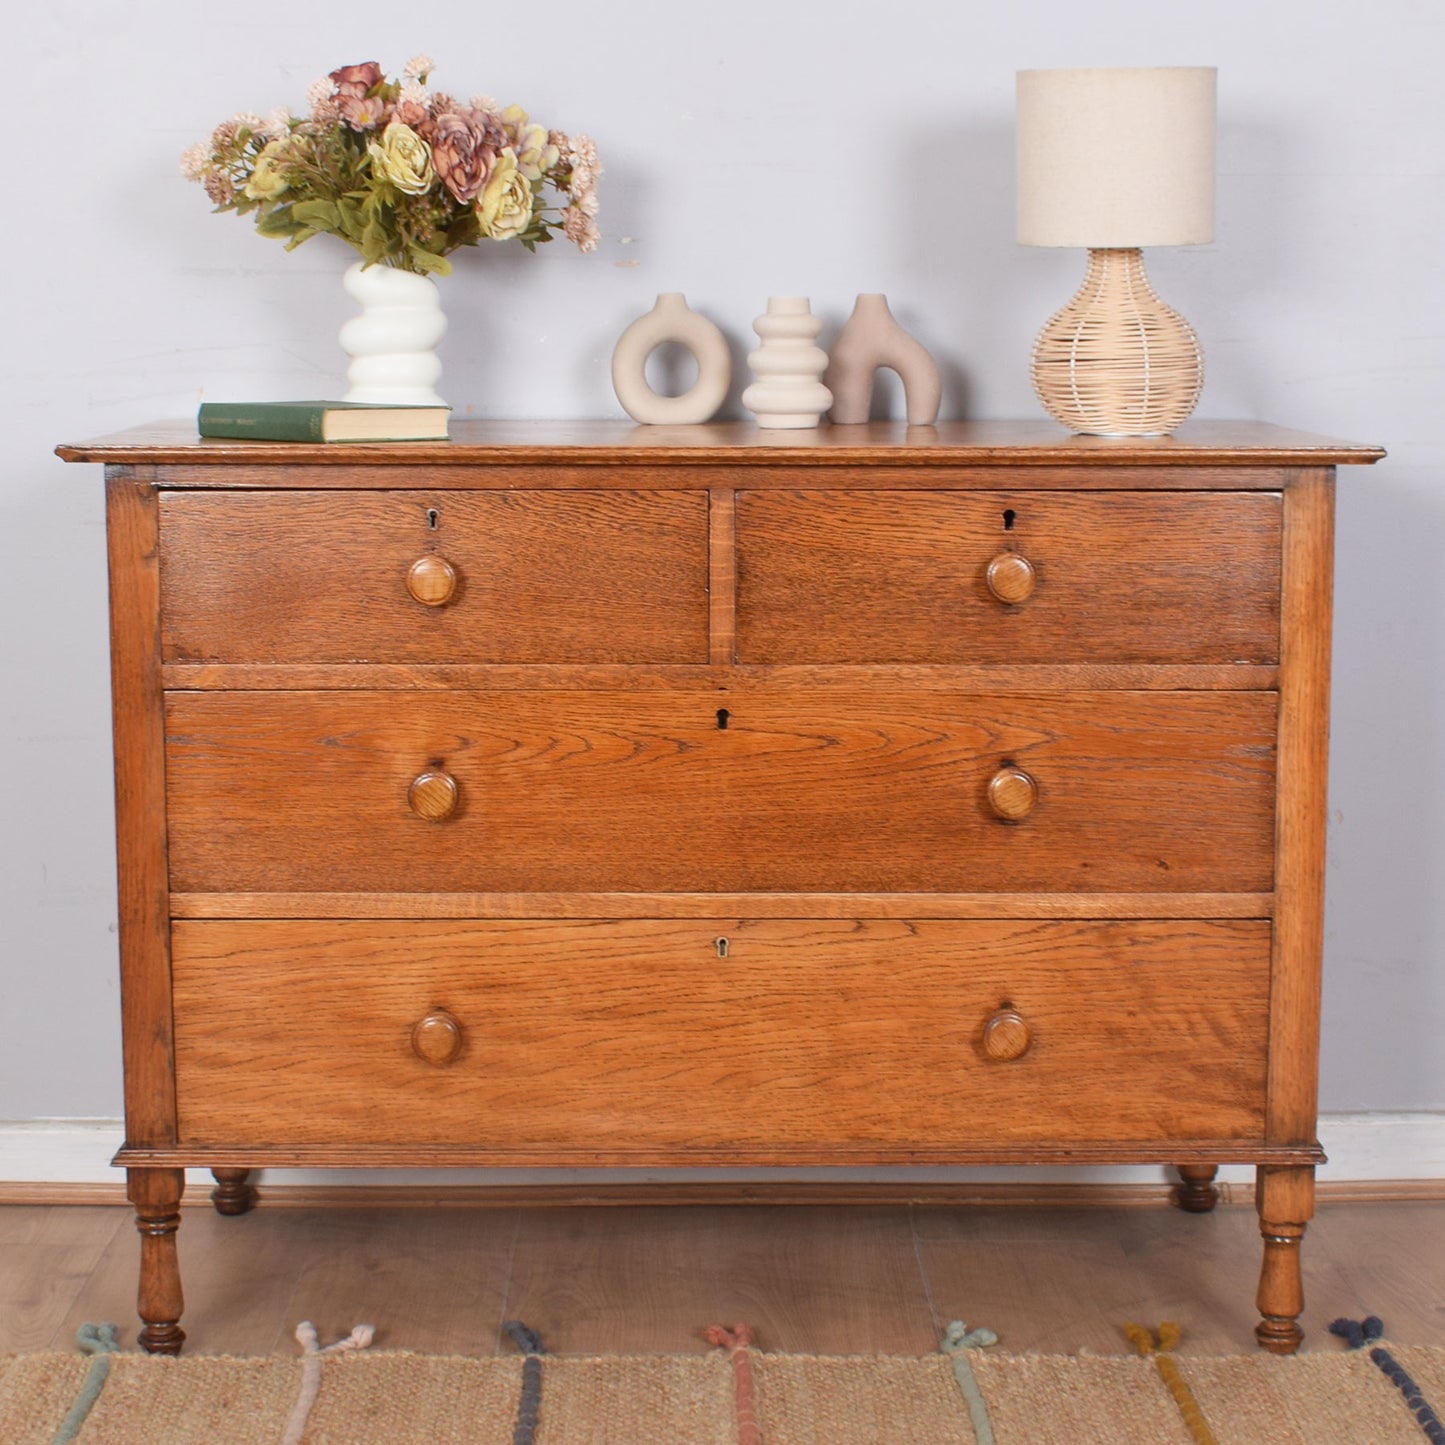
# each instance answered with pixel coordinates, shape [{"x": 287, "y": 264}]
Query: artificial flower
[
  {"x": 505, "y": 207},
  {"x": 402, "y": 157},
  {"x": 461, "y": 155}
]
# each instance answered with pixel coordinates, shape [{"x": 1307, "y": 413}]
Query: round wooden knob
[
  {"x": 1006, "y": 1036},
  {"x": 437, "y": 1038},
  {"x": 433, "y": 796},
  {"x": 1012, "y": 794},
  {"x": 1011, "y": 578},
  {"x": 432, "y": 580}
]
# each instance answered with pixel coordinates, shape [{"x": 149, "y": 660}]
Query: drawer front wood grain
[
  {"x": 590, "y": 1036},
  {"x": 811, "y": 792},
  {"x": 334, "y": 577},
  {"x": 1121, "y": 577}
]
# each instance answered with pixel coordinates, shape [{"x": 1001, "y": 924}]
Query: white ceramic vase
[
  {"x": 392, "y": 344},
  {"x": 672, "y": 319},
  {"x": 788, "y": 392}
]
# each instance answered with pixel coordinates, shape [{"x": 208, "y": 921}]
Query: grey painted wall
[{"x": 751, "y": 148}]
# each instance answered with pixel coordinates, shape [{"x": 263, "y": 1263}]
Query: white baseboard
[{"x": 1361, "y": 1147}]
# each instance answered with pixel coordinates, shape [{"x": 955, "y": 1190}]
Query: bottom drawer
[{"x": 635, "y": 1041}]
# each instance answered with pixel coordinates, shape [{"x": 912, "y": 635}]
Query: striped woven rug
[{"x": 731, "y": 1394}]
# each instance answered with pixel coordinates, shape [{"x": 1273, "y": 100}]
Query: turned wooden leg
[
  {"x": 1285, "y": 1197},
  {"x": 156, "y": 1194},
  {"x": 1196, "y": 1193},
  {"x": 233, "y": 1194}
]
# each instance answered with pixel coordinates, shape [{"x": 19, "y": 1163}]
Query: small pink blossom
[{"x": 363, "y": 112}]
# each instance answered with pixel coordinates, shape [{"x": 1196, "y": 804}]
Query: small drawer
[
  {"x": 1023, "y": 578},
  {"x": 650, "y": 792},
  {"x": 632, "y": 1041},
  {"x": 496, "y": 576}
]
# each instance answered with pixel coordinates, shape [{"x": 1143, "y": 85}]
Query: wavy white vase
[{"x": 393, "y": 342}]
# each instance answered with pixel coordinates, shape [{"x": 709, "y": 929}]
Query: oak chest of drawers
[{"x": 598, "y": 795}]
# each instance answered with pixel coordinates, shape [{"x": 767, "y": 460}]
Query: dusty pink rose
[
  {"x": 356, "y": 80},
  {"x": 460, "y": 153}
]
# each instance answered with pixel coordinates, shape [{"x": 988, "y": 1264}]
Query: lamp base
[{"x": 1116, "y": 361}]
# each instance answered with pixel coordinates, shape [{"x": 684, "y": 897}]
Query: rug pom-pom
[
  {"x": 1349, "y": 1331},
  {"x": 739, "y": 1337},
  {"x": 1374, "y": 1328},
  {"x": 526, "y": 1339},
  {"x": 97, "y": 1340}
]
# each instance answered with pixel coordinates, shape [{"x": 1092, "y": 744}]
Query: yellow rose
[
  {"x": 402, "y": 157},
  {"x": 268, "y": 179},
  {"x": 504, "y": 207}
]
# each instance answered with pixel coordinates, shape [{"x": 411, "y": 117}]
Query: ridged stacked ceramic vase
[{"x": 789, "y": 365}]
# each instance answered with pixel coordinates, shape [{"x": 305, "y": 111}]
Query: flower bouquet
[{"x": 403, "y": 174}]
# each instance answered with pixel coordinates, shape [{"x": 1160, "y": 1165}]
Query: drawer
[
  {"x": 810, "y": 792},
  {"x": 540, "y": 576},
  {"x": 1116, "y": 577},
  {"x": 600, "y": 1039}
]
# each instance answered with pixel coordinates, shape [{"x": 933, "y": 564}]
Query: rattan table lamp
[{"x": 1116, "y": 160}]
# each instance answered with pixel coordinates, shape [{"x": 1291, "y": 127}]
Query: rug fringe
[
  {"x": 311, "y": 1355},
  {"x": 1161, "y": 1352},
  {"x": 99, "y": 1342},
  {"x": 738, "y": 1339},
  {"x": 1371, "y": 1331},
  {"x": 529, "y": 1405},
  {"x": 957, "y": 1341}
]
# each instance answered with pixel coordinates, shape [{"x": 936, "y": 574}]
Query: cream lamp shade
[
  {"x": 1115, "y": 160},
  {"x": 1116, "y": 157}
]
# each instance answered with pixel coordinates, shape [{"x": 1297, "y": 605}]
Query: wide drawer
[
  {"x": 537, "y": 576},
  {"x": 605, "y": 1039},
  {"x": 565, "y": 791},
  {"x": 1119, "y": 577}
]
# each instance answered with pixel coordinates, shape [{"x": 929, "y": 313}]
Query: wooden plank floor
[{"x": 619, "y": 1280}]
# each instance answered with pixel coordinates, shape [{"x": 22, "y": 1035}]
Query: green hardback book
[{"x": 321, "y": 421}]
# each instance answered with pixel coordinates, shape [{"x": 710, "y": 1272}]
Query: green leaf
[
  {"x": 318, "y": 215},
  {"x": 277, "y": 223},
  {"x": 427, "y": 262},
  {"x": 374, "y": 240},
  {"x": 303, "y": 235},
  {"x": 351, "y": 219}
]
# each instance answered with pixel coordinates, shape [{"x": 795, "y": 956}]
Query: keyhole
[
  {"x": 722, "y": 717},
  {"x": 721, "y": 944},
  {"x": 432, "y": 518},
  {"x": 1008, "y": 520}
]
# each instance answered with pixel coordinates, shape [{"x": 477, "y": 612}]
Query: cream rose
[
  {"x": 504, "y": 209},
  {"x": 402, "y": 157},
  {"x": 268, "y": 179}
]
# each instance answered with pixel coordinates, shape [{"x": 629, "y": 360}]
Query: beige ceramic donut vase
[{"x": 672, "y": 319}]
